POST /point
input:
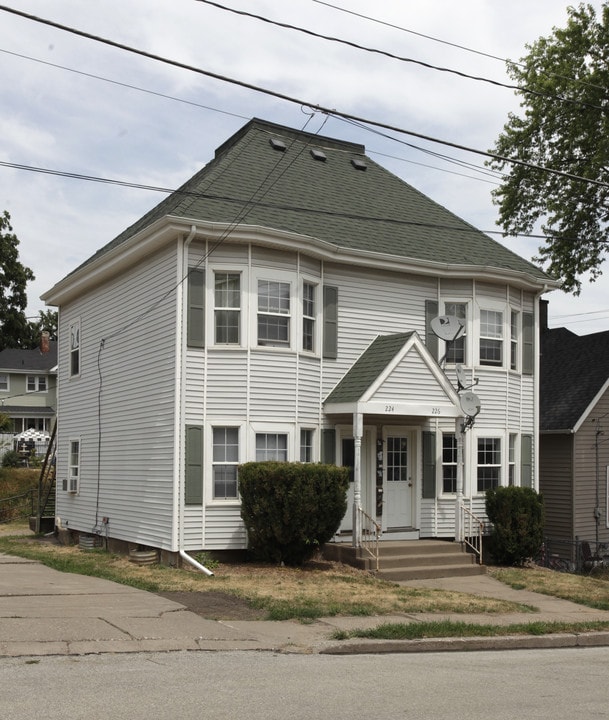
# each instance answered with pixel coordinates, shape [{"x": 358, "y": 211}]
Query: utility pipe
[{"x": 201, "y": 568}]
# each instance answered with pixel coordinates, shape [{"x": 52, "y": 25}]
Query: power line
[
  {"x": 401, "y": 58},
  {"x": 558, "y": 76},
  {"x": 299, "y": 101}
]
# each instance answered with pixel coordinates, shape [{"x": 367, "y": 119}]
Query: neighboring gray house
[
  {"x": 278, "y": 306},
  {"x": 574, "y": 437},
  {"x": 28, "y": 392}
]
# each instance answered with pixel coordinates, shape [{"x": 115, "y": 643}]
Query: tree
[
  {"x": 564, "y": 89},
  {"x": 47, "y": 321},
  {"x": 14, "y": 331}
]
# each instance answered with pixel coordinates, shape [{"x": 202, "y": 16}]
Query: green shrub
[
  {"x": 291, "y": 509},
  {"x": 11, "y": 459},
  {"x": 517, "y": 515}
]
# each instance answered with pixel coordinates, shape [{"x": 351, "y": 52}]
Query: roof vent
[
  {"x": 358, "y": 164},
  {"x": 277, "y": 144},
  {"x": 318, "y": 155}
]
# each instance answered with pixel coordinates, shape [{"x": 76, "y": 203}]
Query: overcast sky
[{"x": 74, "y": 105}]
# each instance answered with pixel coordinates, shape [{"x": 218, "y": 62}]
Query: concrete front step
[
  {"x": 429, "y": 571},
  {"x": 410, "y": 559}
]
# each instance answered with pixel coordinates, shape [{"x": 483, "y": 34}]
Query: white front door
[{"x": 398, "y": 474}]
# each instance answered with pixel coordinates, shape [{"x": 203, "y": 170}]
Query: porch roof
[{"x": 395, "y": 375}]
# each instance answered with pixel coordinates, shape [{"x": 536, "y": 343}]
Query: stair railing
[
  {"x": 472, "y": 529},
  {"x": 46, "y": 481},
  {"x": 371, "y": 532}
]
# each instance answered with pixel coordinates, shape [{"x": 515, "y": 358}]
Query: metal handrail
[
  {"x": 371, "y": 532},
  {"x": 472, "y": 534}
]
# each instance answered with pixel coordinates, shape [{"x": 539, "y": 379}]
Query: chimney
[{"x": 44, "y": 341}]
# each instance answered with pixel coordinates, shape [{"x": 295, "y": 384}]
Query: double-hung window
[
  {"x": 225, "y": 459},
  {"x": 512, "y": 459},
  {"x": 75, "y": 348},
  {"x": 514, "y": 329},
  {"x": 227, "y": 308},
  {"x": 71, "y": 482},
  {"x": 491, "y": 337},
  {"x": 4, "y": 383},
  {"x": 449, "y": 463},
  {"x": 306, "y": 445},
  {"x": 455, "y": 349},
  {"x": 36, "y": 383},
  {"x": 308, "y": 316},
  {"x": 271, "y": 446},
  {"x": 273, "y": 313},
  {"x": 489, "y": 463}
]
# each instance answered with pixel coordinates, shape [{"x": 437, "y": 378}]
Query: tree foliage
[
  {"x": 14, "y": 331},
  {"x": 517, "y": 516},
  {"x": 563, "y": 126}
]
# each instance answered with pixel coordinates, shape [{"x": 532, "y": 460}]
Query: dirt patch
[{"x": 215, "y": 605}]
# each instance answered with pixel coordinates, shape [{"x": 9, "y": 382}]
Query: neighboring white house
[{"x": 278, "y": 306}]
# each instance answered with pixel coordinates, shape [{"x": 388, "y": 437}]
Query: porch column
[
  {"x": 358, "y": 431},
  {"x": 459, "y": 496}
]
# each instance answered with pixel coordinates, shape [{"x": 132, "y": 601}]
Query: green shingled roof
[
  {"x": 367, "y": 368},
  {"x": 369, "y": 209}
]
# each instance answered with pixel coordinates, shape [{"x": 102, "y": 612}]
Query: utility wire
[
  {"x": 392, "y": 56},
  {"x": 299, "y": 101},
  {"x": 558, "y": 76}
]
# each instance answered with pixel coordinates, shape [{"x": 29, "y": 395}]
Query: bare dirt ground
[{"x": 215, "y": 605}]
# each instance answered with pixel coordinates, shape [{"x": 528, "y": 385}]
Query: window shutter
[
  {"x": 528, "y": 345},
  {"x": 328, "y": 446},
  {"x": 193, "y": 482},
  {"x": 429, "y": 464},
  {"x": 431, "y": 340},
  {"x": 196, "y": 308},
  {"x": 526, "y": 461},
  {"x": 330, "y": 324}
]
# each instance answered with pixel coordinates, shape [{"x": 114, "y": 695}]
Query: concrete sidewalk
[{"x": 46, "y": 612}]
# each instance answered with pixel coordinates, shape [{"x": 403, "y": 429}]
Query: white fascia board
[{"x": 591, "y": 406}]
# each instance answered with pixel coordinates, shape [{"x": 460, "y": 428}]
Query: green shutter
[
  {"x": 193, "y": 482},
  {"x": 431, "y": 339},
  {"x": 330, "y": 323},
  {"x": 528, "y": 345},
  {"x": 328, "y": 446},
  {"x": 429, "y": 464},
  {"x": 196, "y": 308},
  {"x": 526, "y": 461}
]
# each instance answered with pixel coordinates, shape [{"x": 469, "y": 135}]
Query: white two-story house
[{"x": 279, "y": 306}]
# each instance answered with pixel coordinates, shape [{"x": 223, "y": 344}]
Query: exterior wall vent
[
  {"x": 277, "y": 144},
  {"x": 359, "y": 164},
  {"x": 318, "y": 155}
]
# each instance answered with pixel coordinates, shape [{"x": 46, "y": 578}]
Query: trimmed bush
[
  {"x": 517, "y": 515},
  {"x": 291, "y": 509}
]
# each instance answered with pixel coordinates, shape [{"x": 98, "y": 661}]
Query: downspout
[
  {"x": 180, "y": 384},
  {"x": 537, "y": 386}
]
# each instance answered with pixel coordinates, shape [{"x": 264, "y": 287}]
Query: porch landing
[{"x": 409, "y": 559}]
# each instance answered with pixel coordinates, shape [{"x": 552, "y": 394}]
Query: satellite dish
[
  {"x": 470, "y": 404},
  {"x": 461, "y": 378},
  {"x": 447, "y": 327}
]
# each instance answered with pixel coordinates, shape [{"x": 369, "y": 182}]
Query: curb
[{"x": 507, "y": 642}]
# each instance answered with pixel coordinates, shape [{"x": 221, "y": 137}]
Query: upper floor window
[
  {"x": 273, "y": 313},
  {"x": 36, "y": 383},
  {"x": 308, "y": 316},
  {"x": 514, "y": 318},
  {"x": 4, "y": 383},
  {"x": 455, "y": 349},
  {"x": 227, "y": 308},
  {"x": 491, "y": 337},
  {"x": 271, "y": 446},
  {"x": 70, "y": 483},
  {"x": 75, "y": 348}
]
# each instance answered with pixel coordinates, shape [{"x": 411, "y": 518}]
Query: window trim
[
  {"x": 71, "y": 483},
  {"x": 8, "y": 382},
  {"x": 489, "y": 435},
  {"x": 502, "y": 310},
  {"x": 515, "y": 339},
  {"x": 314, "y": 318},
  {"x": 453, "y": 463},
  {"x": 466, "y": 335},
  {"x": 280, "y": 280},
  {"x": 36, "y": 379},
  {"x": 310, "y": 446}
]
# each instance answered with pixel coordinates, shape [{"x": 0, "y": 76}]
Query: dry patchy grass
[{"x": 321, "y": 588}]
